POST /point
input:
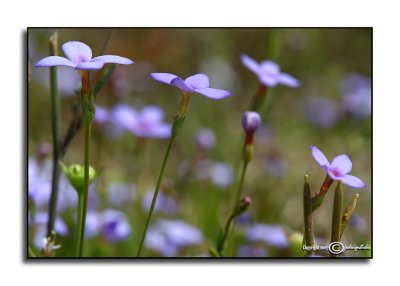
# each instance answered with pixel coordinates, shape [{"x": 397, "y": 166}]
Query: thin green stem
[
  {"x": 153, "y": 202},
  {"x": 88, "y": 114},
  {"x": 221, "y": 243},
  {"x": 241, "y": 183},
  {"x": 308, "y": 220},
  {"x": 81, "y": 227},
  {"x": 337, "y": 215},
  {"x": 56, "y": 133}
]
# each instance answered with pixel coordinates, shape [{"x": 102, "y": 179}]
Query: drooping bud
[
  {"x": 76, "y": 175},
  {"x": 243, "y": 205}
]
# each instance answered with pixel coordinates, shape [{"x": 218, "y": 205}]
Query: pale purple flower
[
  {"x": 322, "y": 112},
  {"x": 93, "y": 224},
  {"x": 102, "y": 115},
  {"x": 359, "y": 223},
  {"x": 269, "y": 73},
  {"x": 79, "y": 57},
  {"x": 251, "y": 120},
  {"x": 164, "y": 204},
  {"x": 272, "y": 235},
  {"x": 338, "y": 169},
  {"x": 120, "y": 194},
  {"x": 275, "y": 165},
  {"x": 146, "y": 123},
  {"x": 205, "y": 139},
  {"x": 168, "y": 236},
  {"x": 252, "y": 251},
  {"x": 115, "y": 226},
  {"x": 357, "y": 95},
  {"x": 198, "y": 83},
  {"x": 221, "y": 174}
]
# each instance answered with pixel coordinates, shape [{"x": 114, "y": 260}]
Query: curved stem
[
  {"x": 221, "y": 243},
  {"x": 241, "y": 182},
  {"x": 153, "y": 202}
]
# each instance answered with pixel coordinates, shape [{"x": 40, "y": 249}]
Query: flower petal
[
  {"x": 163, "y": 77},
  {"x": 113, "y": 59},
  {"x": 342, "y": 164},
  {"x": 270, "y": 67},
  {"x": 250, "y": 63},
  {"x": 269, "y": 79},
  {"x": 213, "y": 92},
  {"x": 90, "y": 65},
  {"x": 77, "y": 52},
  {"x": 319, "y": 157},
  {"x": 180, "y": 83},
  {"x": 197, "y": 81},
  {"x": 54, "y": 61},
  {"x": 353, "y": 181},
  {"x": 288, "y": 80}
]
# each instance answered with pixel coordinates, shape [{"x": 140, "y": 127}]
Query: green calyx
[{"x": 76, "y": 175}]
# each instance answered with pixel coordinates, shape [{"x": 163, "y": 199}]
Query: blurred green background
[{"x": 293, "y": 119}]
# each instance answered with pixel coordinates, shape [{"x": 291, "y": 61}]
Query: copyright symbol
[{"x": 336, "y": 247}]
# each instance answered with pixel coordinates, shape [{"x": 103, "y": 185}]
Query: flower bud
[
  {"x": 243, "y": 205},
  {"x": 251, "y": 121},
  {"x": 76, "y": 175}
]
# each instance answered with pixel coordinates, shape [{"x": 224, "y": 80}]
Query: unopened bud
[
  {"x": 76, "y": 175},
  {"x": 243, "y": 205},
  {"x": 251, "y": 120}
]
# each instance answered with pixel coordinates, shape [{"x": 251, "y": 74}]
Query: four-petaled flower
[
  {"x": 269, "y": 73},
  {"x": 79, "y": 57},
  {"x": 198, "y": 83},
  {"x": 338, "y": 169}
]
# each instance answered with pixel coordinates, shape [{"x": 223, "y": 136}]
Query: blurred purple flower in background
[
  {"x": 338, "y": 169},
  {"x": 220, "y": 173},
  {"x": 40, "y": 224},
  {"x": 164, "y": 204},
  {"x": 269, "y": 73},
  {"x": 102, "y": 115},
  {"x": 198, "y": 83},
  {"x": 79, "y": 57},
  {"x": 167, "y": 237},
  {"x": 275, "y": 165},
  {"x": 120, "y": 194},
  {"x": 39, "y": 187},
  {"x": 359, "y": 223},
  {"x": 272, "y": 235},
  {"x": 93, "y": 224},
  {"x": 115, "y": 226},
  {"x": 357, "y": 95},
  {"x": 147, "y": 123},
  {"x": 205, "y": 139},
  {"x": 252, "y": 251},
  {"x": 68, "y": 81},
  {"x": 321, "y": 111}
]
